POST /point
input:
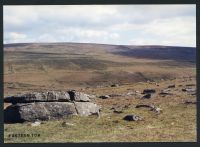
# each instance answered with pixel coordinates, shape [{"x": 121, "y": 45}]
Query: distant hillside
[
  {"x": 159, "y": 52},
  {"x": 145, "y": 52}
]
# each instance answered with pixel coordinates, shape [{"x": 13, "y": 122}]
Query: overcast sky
[{"x": 108, "y": 24}]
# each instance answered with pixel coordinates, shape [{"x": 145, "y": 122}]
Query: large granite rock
[
  {"x": 48, "y": 105},
  {"x": 48, "y": 111}
]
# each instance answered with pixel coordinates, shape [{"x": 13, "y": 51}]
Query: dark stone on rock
[
  {"x": 172, "y": 86},
  {"x": 78, "y": 96},
  {"x": 132, "y": 118},
  {"x": 38, "y": 111},
  {"x": 148, "y": 91},
  {"x": 147, "y": 96}
]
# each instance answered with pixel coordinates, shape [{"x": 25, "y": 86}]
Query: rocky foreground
[{"x": 48, "y": 105}]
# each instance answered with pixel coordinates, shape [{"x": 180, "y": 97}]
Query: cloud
[
  {"x": 112, "y": 24},
  {"x": 15, "y": 37}
]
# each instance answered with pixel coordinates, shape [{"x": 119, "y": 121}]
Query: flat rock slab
[
  {"x": 50, "y": 96},
  {"x": 48, "y": 110}
]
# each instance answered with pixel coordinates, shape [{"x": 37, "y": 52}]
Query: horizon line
[{"x": 96, "y": 44}]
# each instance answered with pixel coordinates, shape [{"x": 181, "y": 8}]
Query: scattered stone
[
  {"x": 126, "y": 106},
  {"x": 115, "y": 85},
  {"x": 148, "y": 91},
  {"x": 143, "y": 105},
  {"x": 114, "y": 95},
  {"x": 165, "y": 92},
  {"x": 147, "y": 96},
  {"x": 157, "y": 110},
  {"x": 104, "y": 96},
  {"x": 129, "y": 93},
  {"x": 116, "y": 121},
  {"x": 36, "y": 123},
  {"x": 189, "y": 85},
  {"x": 189, "y": 90},
  {"x": 132, "y": 118},
  {"x": 65, "y": 124},
  {"x": 152, "y": 107},
  {"x": 118, "y": 111},
  {"x": 137, "y": 91},
  {"x": 138, "y": 95},
  {"x": 172, "y": 86},
  {"x": 190, "y": 102}
]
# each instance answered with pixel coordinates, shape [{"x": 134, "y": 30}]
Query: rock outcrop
[
  {"x": 49, "y": 96},
  {"x": 48, "y": 105}
]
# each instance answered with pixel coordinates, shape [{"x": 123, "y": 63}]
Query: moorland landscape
[{"x": 155, "y": 83}]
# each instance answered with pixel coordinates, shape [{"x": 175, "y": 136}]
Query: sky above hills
[{"x": 108, "y": 24}]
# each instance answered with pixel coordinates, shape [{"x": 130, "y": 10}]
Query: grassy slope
[{"x": 177, "y": 122}]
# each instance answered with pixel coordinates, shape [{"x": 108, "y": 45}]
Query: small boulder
[
  {"x": 156, "y": 109},
  {"x": 189, "y": 90},
  {"x": 36, "y": 123},
  {"x": 115, "y": 85},
  {"x": 149, "y": 91},
  {"x": 132, "y": 118},
  {"x": 172, "y": 86},
  {"x": 65, "y": 124},
  {"x": 118, "y": 111}
]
